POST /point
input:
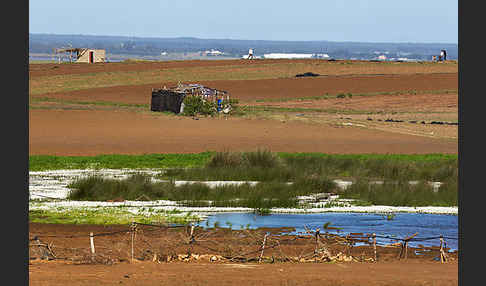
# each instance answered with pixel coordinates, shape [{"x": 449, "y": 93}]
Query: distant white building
[
  {"x": 287, "y": 56},
  {"x": 382, "y": 57},
  {"x": 213, "y": 52},
  {"x": 321, "y": 56}
]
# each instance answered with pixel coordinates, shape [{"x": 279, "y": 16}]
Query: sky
[{"x": 412, "y": 21}]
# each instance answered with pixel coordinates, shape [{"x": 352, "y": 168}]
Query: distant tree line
[{"x": 45, "y": 43}]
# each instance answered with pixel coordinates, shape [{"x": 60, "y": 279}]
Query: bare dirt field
[
  {"x": 93, "y": 132},
  {"x": 283, "y": 113},
  {"x": 248, "y": 91},
  {"x": 49, "y": 69},
  {"x": 114, "y": 265},
  {"x": 307, "y": 116},
  {"x": 149, "y": 273}
]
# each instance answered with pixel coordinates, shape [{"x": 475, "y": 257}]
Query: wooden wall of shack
[{"x": 166, "y": 100}]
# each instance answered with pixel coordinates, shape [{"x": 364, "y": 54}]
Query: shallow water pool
[{"x": 401, "y": 226}]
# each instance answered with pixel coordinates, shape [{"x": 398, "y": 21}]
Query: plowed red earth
[
  {"x": 86, "y": 132},
  {"x": 50, "y": 69},
  {"x": 247, "y": 91}
]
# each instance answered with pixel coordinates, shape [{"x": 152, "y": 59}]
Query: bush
[
  {"x": 225, "y": 159},
  {"x": 401, "y": 193},
  {"x": 259, "y": 158},
  {"x": 96, "y": 188},
  {"x": 262, "y": 158},
  {"x": 194, "y": 105}
]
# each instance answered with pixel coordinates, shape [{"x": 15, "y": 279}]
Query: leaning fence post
[
  {"x": 317, "y": 238},
  {"x": 191, "y": 240},
  {"x": 263, "y": 247},
  {"x": 374, "y": 246},
  {"x": 91, "y": 240},
  {"x": 443, "y": 256},
  {"x": 406, "y": 249},
  {"x": 192, "y": 234},
  {"x": 132, "y": 230}
]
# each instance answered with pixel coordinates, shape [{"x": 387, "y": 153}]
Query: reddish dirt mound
[{"x": 81, "y": 132}]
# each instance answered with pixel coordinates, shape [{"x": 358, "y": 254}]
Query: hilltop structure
[{"x": 81, "y": 55}]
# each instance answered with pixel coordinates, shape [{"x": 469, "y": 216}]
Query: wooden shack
[
  {"x": 91, "y": 56},
  {"x": 82, "y": 55},
  {"x": 171, "y": 99}
]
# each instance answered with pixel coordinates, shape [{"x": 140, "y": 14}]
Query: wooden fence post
[
  {"x": 374, "y": 246},
  {"x": 317, "y": 244},
  {"x": 443, "y": 256},
  {"x": 191, "y": 240},
  {"x": 132, "y": 229},
  {"x": 406, "y": 249},
  {"x": 263, "y": 247},
  {"x": 405, "y": 245},
  {"x": 317, "y": 238},
  {"x": 91, "y": 240}
]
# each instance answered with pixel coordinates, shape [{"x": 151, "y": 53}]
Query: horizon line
[{"x": 229, "y": 39}]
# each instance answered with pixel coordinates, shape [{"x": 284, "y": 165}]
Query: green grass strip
[
  {"x": 105, "y": 216},
  {"x": 51, "y": 162},
  {"x": 116, "y": 161}
]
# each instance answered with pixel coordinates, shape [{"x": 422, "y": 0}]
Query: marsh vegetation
[{"x": 284, "y": 177}]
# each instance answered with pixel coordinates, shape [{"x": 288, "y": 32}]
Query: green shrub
[
  {"x": 194, "y": 105},
  {"x": 135, "y": 187},
  {"x": 402, "y": 193},
  {"x": 260, "y": 158},
  {"x": 225, "y": 159}
]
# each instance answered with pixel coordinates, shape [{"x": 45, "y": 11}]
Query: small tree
[{"x": 194, "y": 105}]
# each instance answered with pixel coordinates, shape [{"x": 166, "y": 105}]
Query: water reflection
[{"x": 400, "y": 226}]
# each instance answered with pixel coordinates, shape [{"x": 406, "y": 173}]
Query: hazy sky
[{"x": 415, "y": 21}]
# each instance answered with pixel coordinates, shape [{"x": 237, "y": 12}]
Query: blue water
[{"x": 402, "y": 225}]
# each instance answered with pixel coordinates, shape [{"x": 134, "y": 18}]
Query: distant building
[
  {"x": 287, "y": 56},
  {"x": 321, "y": 56},
  {"x": 91, "y": 56},
  {"x": 82, "y": 55},
  {"x": 213, "y": 52}
]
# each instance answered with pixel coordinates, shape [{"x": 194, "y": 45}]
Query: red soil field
[
  {"x": 86, "y": 132},
  {"x": 247, "y": 91}
]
